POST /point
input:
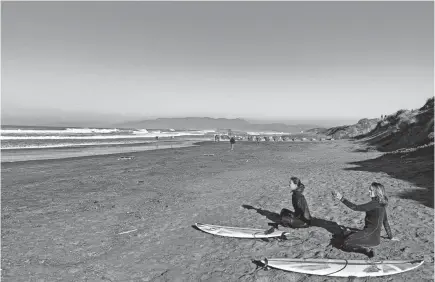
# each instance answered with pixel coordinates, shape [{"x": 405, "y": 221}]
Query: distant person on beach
[
  {"x": 301, "y": 217},
  {"x": 376, "y": 216},
  {"x": 232, "y": 142}
]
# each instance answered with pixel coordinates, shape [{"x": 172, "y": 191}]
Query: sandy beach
[{"x": 103, "y": 219}]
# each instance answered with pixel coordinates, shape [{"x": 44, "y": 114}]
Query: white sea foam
[
  {"x": 91, "y": 130},
  {"x": 57, "y": 137},
  {"x": 101, "y": 137},
  {"x": 209, "y": 130},
  {"x": 59, "y": 131},
  {"x": 140, "y": 131},
  {"x": 267, "y": 133},
  {"x": 67, "y": 145}
]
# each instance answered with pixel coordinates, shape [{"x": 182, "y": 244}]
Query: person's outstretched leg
[
  {"x": 286, "y": 217},
  {"x": 298, "y": 223}
]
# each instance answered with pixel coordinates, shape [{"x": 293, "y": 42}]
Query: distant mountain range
[{"x": 202, "y": 123}]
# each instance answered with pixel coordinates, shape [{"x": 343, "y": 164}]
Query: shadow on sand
[
  {"x": 273, "y": 216},
  {"x": 331, "y": 226},
  {"x": 416, "y": 167},
  {"x": 337, "y": 231}
]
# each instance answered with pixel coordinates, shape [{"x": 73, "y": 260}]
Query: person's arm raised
[{"x": 363, "y": 207}]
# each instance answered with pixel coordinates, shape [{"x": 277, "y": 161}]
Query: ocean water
[
  {"x": 22, "y": 142},
  {"x": 17, "y": 138}
]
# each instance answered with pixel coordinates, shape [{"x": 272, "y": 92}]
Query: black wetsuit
[
  {"x": 301, "y": 217},
  {"x": 232, "y": 140},
  {"x": 376, "y": 217}
]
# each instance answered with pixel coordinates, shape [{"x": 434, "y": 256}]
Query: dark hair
[
  {"x": 379, "y": 191},
  {"x": 298, "y": 183}
]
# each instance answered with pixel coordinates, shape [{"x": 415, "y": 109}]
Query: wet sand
[
  {"x": 65, "y": 220},
  {"x": 85, "y": 151}
]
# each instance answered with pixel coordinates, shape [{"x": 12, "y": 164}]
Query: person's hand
[
  {"x": 337, "y": 195},
  {"x": 395, "y": 239}
]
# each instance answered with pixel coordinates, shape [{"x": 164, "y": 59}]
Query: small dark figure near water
[
  {"x": 301, "y": 217},
  {"x": 232, "y": 142},
  {"x": 376, "y": 216}
]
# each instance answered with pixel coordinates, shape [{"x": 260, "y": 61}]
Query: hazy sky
[{"x": 218, "y": 59}]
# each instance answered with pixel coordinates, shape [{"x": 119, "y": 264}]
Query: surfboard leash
[{"x": 339, "y": 269}]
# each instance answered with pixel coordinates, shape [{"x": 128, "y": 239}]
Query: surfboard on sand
[
  {"x": 342, "y": 267},
  {"x": 239, "y": 232}
]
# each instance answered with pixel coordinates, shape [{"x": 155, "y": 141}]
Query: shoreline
[{"x": 41, "y": 154}]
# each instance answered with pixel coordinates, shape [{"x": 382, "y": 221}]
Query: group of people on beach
[
  {"x": 258, "y": 139},
  {"x": 351, "y": 241}
]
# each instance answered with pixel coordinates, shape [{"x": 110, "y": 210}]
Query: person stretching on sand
[
  {"x": 301, "y": 217},
  {"x": 232, "y": 142},
  {"x": 376, "y": 216}
]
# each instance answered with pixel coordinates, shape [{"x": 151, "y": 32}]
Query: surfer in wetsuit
[
  {"x": 301, "y": 217},
  {"x": 376, "y": 216}
]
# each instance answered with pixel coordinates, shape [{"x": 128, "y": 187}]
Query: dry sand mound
[
  {"x": 348, "y": 131},
  {"x": 404, "y": 129},
  {"x": 407, "y": 139}
]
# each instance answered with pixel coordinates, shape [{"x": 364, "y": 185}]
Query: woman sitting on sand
[
  {"x": 301, "y": 218},
  {"x": 376, "y": 216}
]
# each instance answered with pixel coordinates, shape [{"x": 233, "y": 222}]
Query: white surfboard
[
  {"x": 239, "y": 232},
  {"x": 343, "y": 268}
]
